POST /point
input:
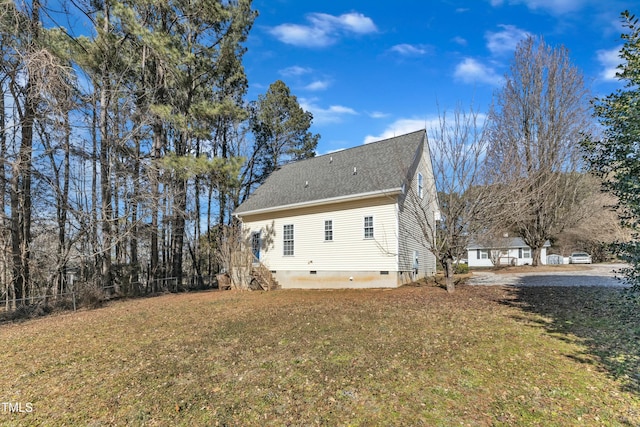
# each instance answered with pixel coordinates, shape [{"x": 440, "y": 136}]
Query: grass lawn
[{"x": 484, "y": 356}]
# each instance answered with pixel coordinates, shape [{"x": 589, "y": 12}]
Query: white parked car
[{"x": 580, "y": 258}]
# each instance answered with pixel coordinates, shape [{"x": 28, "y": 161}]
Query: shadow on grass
[{"x": 605, "y": 320}]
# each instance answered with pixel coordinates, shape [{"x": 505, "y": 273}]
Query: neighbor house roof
[
  {"x": 362, "y": 171},
  {"x": 503, "y": 243}
]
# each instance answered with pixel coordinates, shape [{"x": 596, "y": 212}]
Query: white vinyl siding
[
  {"x": 348, "y": 253},
  {"x": 412, "y": 239}
]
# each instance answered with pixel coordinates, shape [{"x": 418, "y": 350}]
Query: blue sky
[{"x": 369, "y": 70}]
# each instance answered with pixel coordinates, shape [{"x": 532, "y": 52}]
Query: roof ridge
[
  {"x": 363, "y": 169},
  {"x": 363, "y": 145}
]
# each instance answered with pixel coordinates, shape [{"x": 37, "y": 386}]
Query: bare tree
[
  {"x": 596, "y": 223},
  {"x": 233, "y": 253},
  {"x": 457, "y": 147},
  {"x": 535, "y": 126}
]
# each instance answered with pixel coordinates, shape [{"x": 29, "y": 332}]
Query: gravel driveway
[{"x": 596, "y": 275}]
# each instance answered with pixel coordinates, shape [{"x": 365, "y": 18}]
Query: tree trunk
[
  {"x": 21, "y": 180},
  {"x": 177, "y": 237},
  {"x": 448, "y": 275},
  {"x": 4, "y": 264},
  {"x": 155, "y": 208},
  {"x": 95, "y": 249},
  {"x": 135, "y": 277},
  {"x": 536, "y": 253}
]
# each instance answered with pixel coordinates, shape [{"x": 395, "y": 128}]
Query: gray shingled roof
[
  {"x": 505, "y": 243},
  {"x": 379, "y": 166}
]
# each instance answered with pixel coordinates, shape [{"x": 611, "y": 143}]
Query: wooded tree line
[{"x": 126, "y": 148}]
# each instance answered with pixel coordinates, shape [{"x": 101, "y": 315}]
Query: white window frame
[
  {"x": 369, "y": 232},
  {"x": 328, "y": 230},
  {"x": 483, "y": 254},
  {"x": 420, "y": 185},
  {"x": 288, "y": 240},
  {"x": 526, "y": 252},
  {"x": 256, "y": 244}
]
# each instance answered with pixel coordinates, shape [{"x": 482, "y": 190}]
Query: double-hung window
[
  {"x": 287, "y": 239},
  {"x": 483, "y": 254},
  {"x": 368, "y": 227},
  {"x": 328, "y": 230}
]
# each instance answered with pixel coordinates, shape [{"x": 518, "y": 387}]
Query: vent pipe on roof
[
  {"x": 355, "y": 171},
  {"x": 331, "y": 159},
  {"x": 306, "y": 184}
]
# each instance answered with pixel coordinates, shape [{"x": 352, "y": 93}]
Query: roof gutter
[{"x": 321, "y": 202}]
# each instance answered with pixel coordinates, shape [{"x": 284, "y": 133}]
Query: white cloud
[
  {"x": 324, "y": 29},
  {"x": 410, "y": 49},
  {"x": 399, "y": 127},
  {"x": 300, "y": 35},
  {"x": 378, "y": 115},
  {"x": 609, "y": 59},
  {"x": 459, "y": 40},
  {"x": 295, "y": 70},
  {"x": 431, "y": 123},
  {"x": 555, "y": 7},
  {"x": 472, "y": 71},
  {"x": 505, "y": 41},
  {"x": 332, "y": 114},
  {"x": 318, "y": 85},
  {"x": 350, "y": 22}
]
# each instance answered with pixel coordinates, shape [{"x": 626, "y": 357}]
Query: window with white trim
[
  {"x": 526, "y": 252},
  {"x": 287, "y": 239},
  {"x": 328, "y": 230},
  {"x": 482, "y": 254},
  {"x": 368, "y": 227},
  {"x": 255, "y": 244},
  {"x": 420, "y": 185}
]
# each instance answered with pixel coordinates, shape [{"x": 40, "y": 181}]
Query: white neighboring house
[
  {"x": 507, "y": 251},
  {"x": 344, "y": 220}
]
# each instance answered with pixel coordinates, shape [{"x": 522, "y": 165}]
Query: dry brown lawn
[{"x": 484, "y": 356}]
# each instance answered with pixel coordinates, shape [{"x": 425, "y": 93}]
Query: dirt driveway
[{"x": 592, "y": 275}]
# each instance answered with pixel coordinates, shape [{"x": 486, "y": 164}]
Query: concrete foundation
[{"x": 341, "y": 279}]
